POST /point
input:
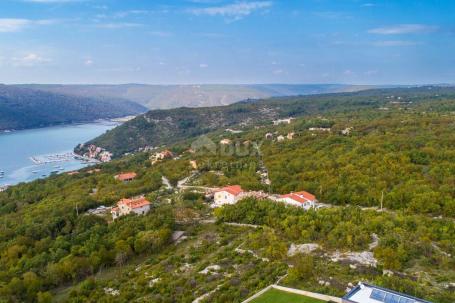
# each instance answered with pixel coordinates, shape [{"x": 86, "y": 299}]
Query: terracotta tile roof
[
  {"x": 126, "y": 176},
  {"x": 134, "y": 203},
  {"x": 301, "y": 196},
  {"x": 233, "y": 189}
]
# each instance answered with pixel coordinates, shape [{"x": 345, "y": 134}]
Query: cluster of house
[
  {"x": 234, "y": 193},
  {"x": 320, "y": 129},
  {"x": 223, "y": 196},
  {"x": 280, "y": 138},
  {"x": 95, "y": 152}
]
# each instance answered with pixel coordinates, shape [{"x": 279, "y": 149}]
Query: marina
[
  {"x": 52, "y": 158},
  {"x": 32, "y": 154},
  {"x": 59, "y": 157}
]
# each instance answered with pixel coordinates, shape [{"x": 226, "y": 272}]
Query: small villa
[
  {"x": 228, "y": 195},
  {"x": 139, "y": 206},
  {"x": 301, "y": 199},
  {"x": 126, "y": 177}
]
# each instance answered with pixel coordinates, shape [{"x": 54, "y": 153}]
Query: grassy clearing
[{"x": 278, "y": 296}]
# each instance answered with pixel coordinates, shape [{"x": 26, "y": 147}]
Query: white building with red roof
[
  {"x": 228, "y": 195},
  {"x": 126, "y": 177},
  {"x": 139, "y": 206},
  {"x": 301, "y": 199}
]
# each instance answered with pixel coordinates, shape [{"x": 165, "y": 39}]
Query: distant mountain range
[
  {"x": 173, "y": 96},
  {"x": 38, "y": 105},
  {"x": 22, "y": 108}
]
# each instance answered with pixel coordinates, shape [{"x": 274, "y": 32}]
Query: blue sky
[{"x": 224, "y": 41}]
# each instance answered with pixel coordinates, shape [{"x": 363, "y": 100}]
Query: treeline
[{"x": 22, "y": 108}]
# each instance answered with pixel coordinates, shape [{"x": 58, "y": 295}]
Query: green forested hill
[
  {"x": 400, "y": 150},
  {"x": 22, "y": 108},
  {"x": 159, "y": 127}
]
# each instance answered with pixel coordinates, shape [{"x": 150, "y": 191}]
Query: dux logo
[{"x": 204, "y": 144}]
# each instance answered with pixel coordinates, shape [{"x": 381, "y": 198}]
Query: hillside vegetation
[
  {"x": 22, "y": 108},
  {"x": 399, "y": 151},
  {"x": 159, "y": 127}
]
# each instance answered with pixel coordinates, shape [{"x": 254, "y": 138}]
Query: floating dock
[{"x": 63, "y": 157}]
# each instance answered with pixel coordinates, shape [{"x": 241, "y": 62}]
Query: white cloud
[
  {"x": 9, "y": 25},
  {"x": 235, "y": 10},
  {"x": 395, "y": 43},
  {"x": 30, "y": 59},
  {"x": 203, "y": 65},
  {"x": 117, "y": 25},
  {"x": 13, "y": 25},
  {"x": 403, "y": 29},
  {"x": 127, "y": 13},
  {"x": 88, "y": 62}
]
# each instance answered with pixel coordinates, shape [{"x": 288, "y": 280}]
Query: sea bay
[{"x": 17, "y": 148}]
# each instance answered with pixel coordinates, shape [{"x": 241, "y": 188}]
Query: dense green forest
[
  {"x": 399, "y": 151},
  {"x": 22, "y": 108}
]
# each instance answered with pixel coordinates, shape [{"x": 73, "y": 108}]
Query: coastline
[{"x": 46, "y": 145}]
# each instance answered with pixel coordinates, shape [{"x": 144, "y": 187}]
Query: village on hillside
[
  {"x": 229, "y": 194},
  {"x": 216, "y": 196}
]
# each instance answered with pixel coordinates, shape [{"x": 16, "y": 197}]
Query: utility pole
[
  {"x": 382, "y": 199},
  {"x": 77, "y": 211}
]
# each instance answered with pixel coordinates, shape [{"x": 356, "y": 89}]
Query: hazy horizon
[{"x": 226, "y": 84}]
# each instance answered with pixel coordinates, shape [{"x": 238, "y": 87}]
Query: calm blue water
[{"x": 17, "y": 147}]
